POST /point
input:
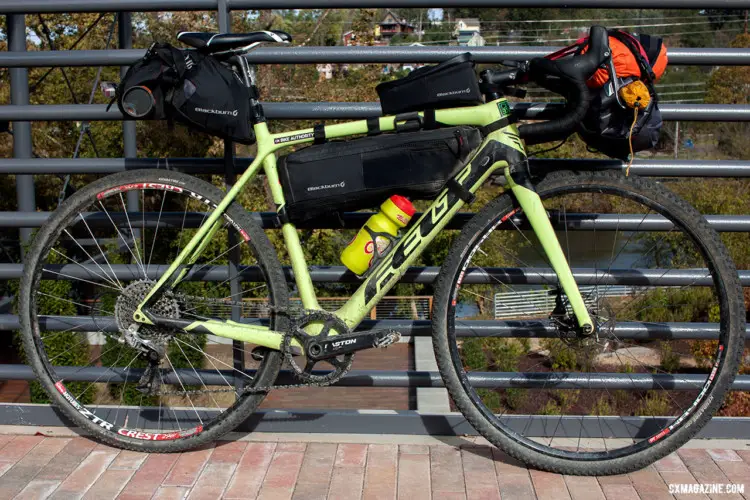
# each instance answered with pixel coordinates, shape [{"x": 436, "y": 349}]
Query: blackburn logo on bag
[
  {"x": 454, "y": 92},
  {"x": 217, "y": 111}
]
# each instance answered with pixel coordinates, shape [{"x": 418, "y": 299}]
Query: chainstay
[{"x": 288, "y": 311}]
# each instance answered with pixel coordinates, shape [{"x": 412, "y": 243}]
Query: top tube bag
[{"x": 450, "y": 84}]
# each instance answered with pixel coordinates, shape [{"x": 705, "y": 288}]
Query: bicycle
[{"x": 145, "y": 328}]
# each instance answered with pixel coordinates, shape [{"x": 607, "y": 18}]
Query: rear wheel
[
  {"x": 94, "y": 262},
  {"x": 654, "y": 276}
]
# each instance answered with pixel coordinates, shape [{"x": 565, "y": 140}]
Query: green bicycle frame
[{"x": 501, "y": 149}]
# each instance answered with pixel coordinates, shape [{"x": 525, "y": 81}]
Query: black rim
[
  {"x": 118, "y": 421},
  {"x": 497, "y": 420}
]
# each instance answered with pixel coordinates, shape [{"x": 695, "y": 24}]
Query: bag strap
[
  {"x": 635, "y": 47},
  {"x": 496, "y": 125},
  {"x": 373, "y": 126},
  {"x": 319, "y": 133}
]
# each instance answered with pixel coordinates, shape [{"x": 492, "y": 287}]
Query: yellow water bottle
[{"x": 377, "y": 234}]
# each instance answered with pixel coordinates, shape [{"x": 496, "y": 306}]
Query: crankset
[{"x": 334, "y": 344}]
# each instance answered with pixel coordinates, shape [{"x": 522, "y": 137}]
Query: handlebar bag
[
  {"x": 450, "y": 84},
  {"x": 352, "y": 175},
  {"x": 606, "y": 126},
  {"x": 191, "y": 88}
]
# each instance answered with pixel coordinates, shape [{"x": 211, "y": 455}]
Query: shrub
[
  {"x": 504, "y": 353},
  {"x": 562, "y": 357},
  {"x": 670, "y": 360},
  {"x": 473, "y": 355},
  {"x": 653, "y": 405},
  {"x": 491, "y": 399},
  {"x": 551, "y": 408},
  {"x": 602, "y": 407},
  {"x": 514, "y": 398}
]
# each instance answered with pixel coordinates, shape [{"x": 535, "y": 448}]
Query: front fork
[{"x": 532, "y": 206}]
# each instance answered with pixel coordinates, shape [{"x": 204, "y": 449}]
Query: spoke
[
  {"x": 73, "y": 278},
  {"x": 73, "y": 302},
  {"x": 156, "y": 231},
  {"x": 138, "y": 262},
  {"x": 198, "y": 376},
  {"x": 96, "y": 242},
  {"x": 174, "y": 370},
  {"x": 132, "y": 233},
  {"x": 215, "y": 359},
  {"x": 104, "y": 278}
]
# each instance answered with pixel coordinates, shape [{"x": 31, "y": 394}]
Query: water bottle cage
[{"x": 376, "y": 254}]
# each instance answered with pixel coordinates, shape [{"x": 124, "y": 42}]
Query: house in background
[
  {"x": 392, "y": 25},
  {"x": 467, "y": 32}
]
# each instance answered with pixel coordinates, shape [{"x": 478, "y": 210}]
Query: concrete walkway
[{"x": 37, "y": 467}]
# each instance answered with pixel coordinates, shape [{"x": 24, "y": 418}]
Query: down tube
[{"x": 408, "y": 248}]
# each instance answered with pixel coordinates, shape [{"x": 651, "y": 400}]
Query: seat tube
[{"x": 536, "y": 214}]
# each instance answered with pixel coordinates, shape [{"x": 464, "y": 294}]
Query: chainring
[{"x": 328, "y": 322}]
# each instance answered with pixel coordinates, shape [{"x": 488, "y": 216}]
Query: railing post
[
  {"x": 19, "y": 95},
  {"x": 129, "y": 139},
  {"x": 224, "y": 19}
]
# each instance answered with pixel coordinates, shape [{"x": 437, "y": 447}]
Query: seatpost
[{"x": 248, "y": 75}]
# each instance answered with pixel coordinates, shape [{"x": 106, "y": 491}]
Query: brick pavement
[{"x": 37, "y": 467}]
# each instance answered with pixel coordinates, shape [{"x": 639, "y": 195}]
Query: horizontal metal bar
[
  {"x": 38, "y": 166},
  {"x": 401, "y": 422},
  {"x": 394, "y": 54},
  {"x": 44, "y": 6},
  {"x": 628, "y": 330},
  {"x": 355, "y": 110},
  {"x": 644, "y": 168},
  {"x": 339, "y": 274},
  {"x": 355, "y": 220},
  {"x": 392, "y": 378}
]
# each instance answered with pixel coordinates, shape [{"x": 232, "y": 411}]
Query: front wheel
[
  {"x": 655, "y": 278},
  {"x": 138, "y": 386}
]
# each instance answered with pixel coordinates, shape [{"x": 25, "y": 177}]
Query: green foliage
[
  {"x": 514, "y": 397},
  {"x": 504, "y": 353},
  {"x": 491, "y": 399},
  {"x": 561, "y": 356},
  {"x": 670, "y": 360},
  {"x": 472, "y": 354},
  {"x": 602, "y": 407},
  {"x": 655, "y": 404},
  {"x": 728, "y": 85},
  {"x": 551, "y": 408}
]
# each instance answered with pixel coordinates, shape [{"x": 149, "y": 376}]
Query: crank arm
[{"x": 350, "y": 342}]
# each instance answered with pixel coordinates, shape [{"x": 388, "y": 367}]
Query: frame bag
[
  {"x": 192, "y": 88},
  {"x": 450, "y": 84},
  {"x": 352, "y": 175}
]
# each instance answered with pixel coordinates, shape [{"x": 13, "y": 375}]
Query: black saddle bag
[
  {"x": 352, "y": 175},
  {"x": 450, "y": 84},
  {"x": 189, "y": 87}
]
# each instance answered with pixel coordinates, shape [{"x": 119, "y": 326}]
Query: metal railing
[{"x": 23, "y": 165}]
